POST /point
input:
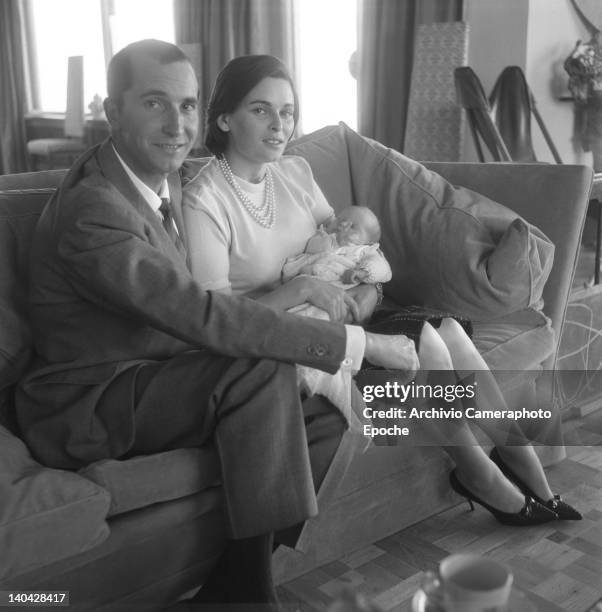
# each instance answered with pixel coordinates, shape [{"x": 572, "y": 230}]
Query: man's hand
[
  {"x": 366, "y": 297},
  {"x": 391, "y": 352},
  {"x": 335, "y": 301}
]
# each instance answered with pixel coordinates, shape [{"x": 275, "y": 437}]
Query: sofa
[{"x": 138, "y": 533}]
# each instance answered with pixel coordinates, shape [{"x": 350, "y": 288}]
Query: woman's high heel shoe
[
  {"x": 564, "y": 511},
  {"x": 532, "y": 513}
]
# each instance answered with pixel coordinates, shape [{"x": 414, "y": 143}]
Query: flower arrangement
[{"x": 584, "y": 66}]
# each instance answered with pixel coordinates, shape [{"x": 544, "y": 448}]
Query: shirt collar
[{"x": 152, "y": 199}]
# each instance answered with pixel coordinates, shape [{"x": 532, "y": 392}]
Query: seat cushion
[
  {"x": 151, "y": 557},
  {"x": 515, "y": 346},
  {"x": 45, "y": 514},
  {"x": 519, "y": 341},
  {"x": 449, "y": 247},
  {"x": 148, "y": 479}
]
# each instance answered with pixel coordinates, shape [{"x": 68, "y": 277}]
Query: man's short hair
[{"x": 120, "y": 74}]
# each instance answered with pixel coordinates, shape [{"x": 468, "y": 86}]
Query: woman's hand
[
  {"x": 366, "y": 297},
  {"x": 391, "y": 352}
]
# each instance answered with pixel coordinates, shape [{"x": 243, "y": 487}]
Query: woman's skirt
[{"x": 409, "y": 321}]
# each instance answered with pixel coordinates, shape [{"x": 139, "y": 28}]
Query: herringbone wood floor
[{"x": 557, "y": 567}]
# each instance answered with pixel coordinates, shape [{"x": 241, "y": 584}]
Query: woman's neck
[{"x": 254, "y": 173}]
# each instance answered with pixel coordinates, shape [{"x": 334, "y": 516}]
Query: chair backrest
[
  {"x": 470, "y": 95},
  {"x": 434, "y": 123},
  {"x": 512, "y": 104}
]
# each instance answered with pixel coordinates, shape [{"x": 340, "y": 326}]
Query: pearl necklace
[{"x": 264, "y": 215}]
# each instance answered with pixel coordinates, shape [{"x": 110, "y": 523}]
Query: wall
[
  {"x": 554, "y": 28},
  {"x": 536, "y": 35},
  {"x": 498, "y": 31}
]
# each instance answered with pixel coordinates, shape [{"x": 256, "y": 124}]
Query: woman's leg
[
  {"x": 475, "y": 469},
  {"x": 521, "y": 457}
]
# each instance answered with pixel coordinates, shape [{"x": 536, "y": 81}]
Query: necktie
[{"x": 169, "y": 225}]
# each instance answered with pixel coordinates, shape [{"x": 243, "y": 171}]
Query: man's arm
[{"x": 116, "y": 260}]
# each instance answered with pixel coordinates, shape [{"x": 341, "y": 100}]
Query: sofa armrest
[{"x": 552, "y": 197}]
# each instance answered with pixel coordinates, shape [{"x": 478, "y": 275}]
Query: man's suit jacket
[{"x": 109, "y": 290}]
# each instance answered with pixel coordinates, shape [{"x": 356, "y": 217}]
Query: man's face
[{"x": 157, "y": 123}]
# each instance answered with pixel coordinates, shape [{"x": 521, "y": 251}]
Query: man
[{"x": 134, "y": 358}]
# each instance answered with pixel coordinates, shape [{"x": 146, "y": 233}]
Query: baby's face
[
  {"x": 351, "y": 228},
  {"x": 353, "y": 234}
]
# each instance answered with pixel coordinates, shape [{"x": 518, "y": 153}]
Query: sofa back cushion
[
  {"x": 20, "y": 207},
  {"x": 449, "y": 247}
]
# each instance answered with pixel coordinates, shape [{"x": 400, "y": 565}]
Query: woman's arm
[
  {"x": 210, "y": 264},
  {"x": 208, "y": 249}
]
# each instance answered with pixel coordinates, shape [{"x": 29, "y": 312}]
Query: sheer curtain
[
  {"x": 13, "y": 93},
  {"x": 223, "y": 29},
  {"x": 386, "y": 44}
]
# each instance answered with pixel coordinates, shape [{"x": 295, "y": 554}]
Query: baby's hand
[
  {"x": 355, "y": 276},
  {"x": 320, "y": 242}
]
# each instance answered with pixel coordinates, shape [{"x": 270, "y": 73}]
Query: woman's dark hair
[
  {"x": 233, "y": 83},
  {"x": 120, "y": 74}
]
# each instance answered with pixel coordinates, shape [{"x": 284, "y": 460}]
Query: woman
[{"x": 251, "y": 208}]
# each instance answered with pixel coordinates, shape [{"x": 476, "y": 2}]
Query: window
[
  {"x": 328, "y": 38},
  {"x": 79, "y": 26}
]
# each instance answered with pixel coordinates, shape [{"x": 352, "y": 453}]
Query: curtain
[
  {"x": 215, "y": 31},
  {"x": 13, "y": 93},
  {"x": 385, "y": 49}
]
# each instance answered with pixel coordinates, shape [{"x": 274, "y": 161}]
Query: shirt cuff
[{"x": 354, "y": 348}]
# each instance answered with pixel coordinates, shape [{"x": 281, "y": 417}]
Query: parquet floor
[{"x": 557, "y": 567}]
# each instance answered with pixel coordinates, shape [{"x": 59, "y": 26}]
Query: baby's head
[{"x": 355, "y": 225}]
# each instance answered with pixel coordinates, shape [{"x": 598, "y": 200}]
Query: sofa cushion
[
  {"x": 45, "y": 514},
  {"x": 449, "y": 247},
  {"x": 148, "y": 479},
  {"x": 326, "y": 152}
]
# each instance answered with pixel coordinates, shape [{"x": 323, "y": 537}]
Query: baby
[{"x": 345, "y": 252}]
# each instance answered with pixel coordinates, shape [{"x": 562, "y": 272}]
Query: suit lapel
[{"x": 113, "y": 171}]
